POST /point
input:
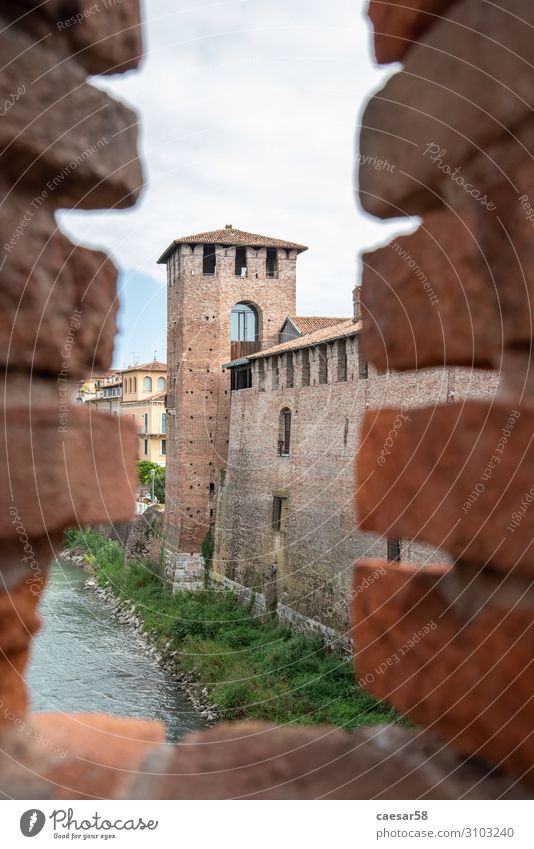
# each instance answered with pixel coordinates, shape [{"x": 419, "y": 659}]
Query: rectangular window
[
  {"x": 241, "y": 262},
  {"x": 289, "y": 371},
  {"x": 394, "y": 550},
  {"x": 323, "y": 364},
  {"x": 342, "y": 360},
  {"x": 305, "y": 360},
  {"x": 163, "y": 446},
  {"x": 271, "y": 262},
  {"x": 241, "y": 378},
  {"x": 146, "y": 422},
  {"x": 208, "y": 259},
  {"x": 277, "y": 513},
  {"x": 146, "y": 447},
  {"x": 164, "y": 422}
]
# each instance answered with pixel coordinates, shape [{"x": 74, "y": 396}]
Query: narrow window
[
  {"x": 271, "y": 262},
  {"x": 163, "y": 446},
  {"x": 208, "y": 259},
  {"x": 342, "y": 359},
  {"x": 275, "y": 372},
  {"x": 284, "y": 432},
  {"x": 363, "y": 370},
  {"x": 146, "y": 447},
  {"x": 212, "y": 488},
  {"x": 241, "y": 262},
  {"x": 135, "y": 384},
  {"x": 147, "y": 384},
  {"x": 305, "y": 360},
  {"x": 289, "y": 371},
  {"x": 394, "y": 550},
  {"x": 323, "y": 364},
  {"x": 164, "y": 422},
  {"x": 277, "y": 513},
  {"x": 346, "y": 432},
  {"x": 261, "y": 375},
  {"x": 146, "y": 422}
]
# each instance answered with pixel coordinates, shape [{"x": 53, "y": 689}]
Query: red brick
[
  {"x": 80, "y": 476},
  {"x": 428, "y": 299},
  {"x": 44, "y": 279},
  {"x": 453, "y": 476},
  {"x": 18, "y": 622},
  {"x": 465, "y": 673},
  {"x": 106, "y": 40},
  {"x": 397, "y": 25},
  {"x": 446, "y": 99},
  {"x": 58, "y": 120}
]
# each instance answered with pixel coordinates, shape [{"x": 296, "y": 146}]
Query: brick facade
[
  {"x": 199, "y": 319},
  {"x": 308, "y": 568}
]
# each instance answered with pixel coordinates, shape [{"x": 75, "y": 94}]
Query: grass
[{"x": 252, "y": 668}]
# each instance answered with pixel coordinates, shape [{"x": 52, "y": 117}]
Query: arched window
[
  {"x": 147, "y": 384},
  {"x": 162, "y": 384},
  {"x": 284, "y": 432},
  {"x": 135, "y": 384},
  {"x": 129, "y": 384},
  {"x": 244, "y": 324}
]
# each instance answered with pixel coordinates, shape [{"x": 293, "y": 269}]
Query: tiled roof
[
  {"x": 155, "y": 365},
  {"x": 230, "y": 236},
  {"x": 346, "y": 327},
  {"x": 311, "y": 323}
]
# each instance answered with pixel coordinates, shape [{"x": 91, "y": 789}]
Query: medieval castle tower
[{"x": 229, "y": 293}]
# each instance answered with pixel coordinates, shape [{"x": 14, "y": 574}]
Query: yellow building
[
  {"x": 144, "y": 388},
  {"x": 104, "y": 392}
]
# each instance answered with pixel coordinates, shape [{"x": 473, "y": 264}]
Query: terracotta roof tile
[
  {"x": 311, "y": 323},
  {"x": 155, "y": 365},
  {"x": 346, "y": 327},
  {"x": 230, "y": 236}
]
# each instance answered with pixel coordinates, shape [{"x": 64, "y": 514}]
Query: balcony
[{"x": 243, "y": 349}]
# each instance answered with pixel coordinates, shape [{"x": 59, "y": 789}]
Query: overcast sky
[{"x": 248, "y": 114}]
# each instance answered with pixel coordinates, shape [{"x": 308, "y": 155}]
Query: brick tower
[{"x": 228, "y": 294}]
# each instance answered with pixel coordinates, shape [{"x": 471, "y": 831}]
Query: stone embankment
[{"x": 128, "y": 614}]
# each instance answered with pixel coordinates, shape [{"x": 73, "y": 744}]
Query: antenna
[
  {"x": 134, "y": 355},
  {"x": 155, "y": 355}
]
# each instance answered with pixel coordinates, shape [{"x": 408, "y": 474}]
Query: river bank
[{"x": 233, "y": 664}]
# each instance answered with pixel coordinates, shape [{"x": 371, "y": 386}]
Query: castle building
[
  {"x": 265, "y": 409},
  {"x": 229, "y": 293}
]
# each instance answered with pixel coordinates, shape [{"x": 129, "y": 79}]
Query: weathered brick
[
  {"x": 463, "y": 673},
  {"x": 454, "y": 476},
  {"x": 428, "y": 299},
  {"x": 259, "y": 761},
  {"x": 82, "y": 469},
  {"x": 65, "y": 138},
  {"x": 446, "y": 99},
  {"x": 397, "y": 25},
  {"x": 104, "y": 38},
  {"x": 58, "y": 302},
  {"x": 18, "y": 622}
]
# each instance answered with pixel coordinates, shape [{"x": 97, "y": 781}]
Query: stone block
[
  {"x": 456, "y": 476},
  {"x": 461, "y": 671},
  {"x": 428, "y": 299},
  {"x": 397, "y": 25},
  {"x": 430, "y": 119}
]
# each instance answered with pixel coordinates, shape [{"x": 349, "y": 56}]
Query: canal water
[{"x": 83, "y": 659}]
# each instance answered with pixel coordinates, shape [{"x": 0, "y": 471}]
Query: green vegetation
[
  {"x": 252, "y": 668},
  {"x": 144, "y": 473}
]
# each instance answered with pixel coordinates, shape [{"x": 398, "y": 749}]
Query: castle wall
[{"x": 312, "y": 578}]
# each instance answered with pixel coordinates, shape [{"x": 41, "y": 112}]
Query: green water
[{"x": 85, "y": 660}]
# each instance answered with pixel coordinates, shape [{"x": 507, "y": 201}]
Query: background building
[{"x": 144, "y": 388}]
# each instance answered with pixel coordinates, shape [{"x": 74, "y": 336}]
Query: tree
[{"x": 144, "y": 473}]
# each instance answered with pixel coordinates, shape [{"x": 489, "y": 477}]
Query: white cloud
[{"x": 248, "y": 114}]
